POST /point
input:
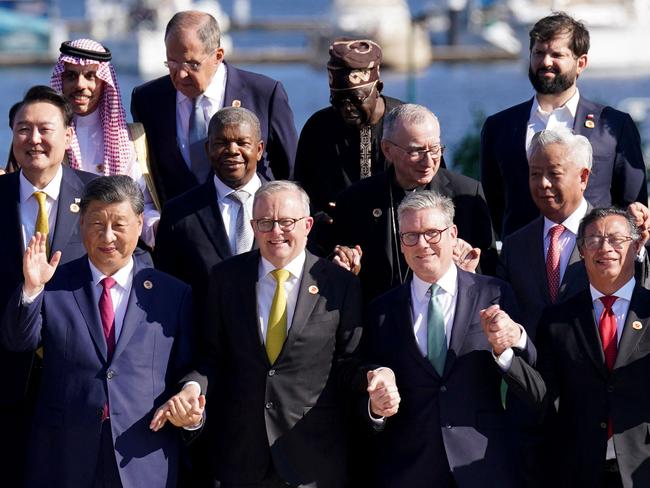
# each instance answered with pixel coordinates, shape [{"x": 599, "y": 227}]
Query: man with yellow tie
[
  {"x": 43, "y": 196},
  {"x": 280, "y": 331}
]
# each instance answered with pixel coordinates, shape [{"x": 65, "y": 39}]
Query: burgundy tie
[
  {"x": 607, "y": 329},
  {"x": 107, "y": 315},
  {"x": 553, "y": 261}
]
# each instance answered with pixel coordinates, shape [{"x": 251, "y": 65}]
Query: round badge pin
[
  {"x": 376, "y": 213},
  {"x": 147, "y": 284},
  {"x": 313, "y": 289},
  {"x": 236, "y": 103},
  {"x": 636, "y": 325},
  {"x": 589, "y": 124},
  {"x": 74, "y": 208}
]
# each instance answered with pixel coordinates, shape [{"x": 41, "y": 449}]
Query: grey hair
[
  {"x": 425, "y": 199},
  {"x": 283, "y": 185},
  {"x": 113, "y": 189},
  {"x": 235, "y": 116},
  {"x": 578, "y": 147},
  {"x": 409, "y": 113},
  {"x": 600, "y": 213},
  {"x": 205, "y": 25}
]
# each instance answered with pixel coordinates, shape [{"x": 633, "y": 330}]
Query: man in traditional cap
[{"x": 100, "y": 141}]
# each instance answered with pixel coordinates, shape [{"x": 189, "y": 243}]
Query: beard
[{"x": 550, "y": 86}]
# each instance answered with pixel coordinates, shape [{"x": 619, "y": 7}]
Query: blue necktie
[
  {"x": 197, "y": 136},
  {"x": 436, "y": 339}
]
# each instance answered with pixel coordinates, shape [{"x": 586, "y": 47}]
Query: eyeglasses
[
  {"x": 595, "y": 242},
  {"x": 187, "y": 65},
  {"x": 434, "y": 151},
  {"x": 432, "y": 236},
  {"x": 339, "y": 101},
  {"x": 286, "y": 225}
]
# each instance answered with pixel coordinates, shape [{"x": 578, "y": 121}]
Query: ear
[
  {"x": 582, "y": 62},
  {"x": 309, "y": 223},
  {"x": 68, "y": 136},
  {"x": 140, "y": 223},
  {"x": 584, "y": 178},
  {"x": 260, "y": 150},
  {"x": 219, "y": 53},
  {"x": 386, "y": 148},
  {"x": 453, "y": 233}
]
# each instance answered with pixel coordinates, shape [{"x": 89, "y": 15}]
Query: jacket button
[
  {"x": 447, "y": 426},
  {"x": 269, "y": 405},
  {"x": 110, "y": 373},
  {"x": 443, "y": 388},
  {"x": 271, "y": 372},
  {"x": 603, "y": 425}
]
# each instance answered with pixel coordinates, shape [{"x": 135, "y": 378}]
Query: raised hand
[
  {"x": 641, "y": 216},
  {"x": 185, "y": 409},
  {"x": 36, "y": 269},
  {"x": 384, "y": 396},
  {"x": 465, "y": 256}
]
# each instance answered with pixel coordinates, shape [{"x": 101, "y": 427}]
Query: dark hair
[
  {"x": 235, "y": 116},
  {"x": 206, "y": 26},
  {"x": 600, "y": 213},
  {"x": 113, "y": 189},
  {"x": 561, "y": 23},
  {"x": 42, "y": 93}
]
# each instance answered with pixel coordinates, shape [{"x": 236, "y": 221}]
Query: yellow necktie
[
  {"x": 42, "y": 224},
  {"x": 276, "y": 331}
]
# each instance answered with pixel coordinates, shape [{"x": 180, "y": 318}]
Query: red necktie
[
  {"x": 107, "y": 315},
  {"x": 607, "y": 329},
  {"x": 553, "y": 261}
]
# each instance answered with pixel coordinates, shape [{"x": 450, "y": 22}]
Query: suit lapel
[
  {"x": 247, "y": 307},
  {"x": 235, "y": 87},
  {"x": 465, "y": 309},
  {"x": 575, "y": 276},
  {"x": 138, "y": 302},
  {"x": 210, "y": 217},
  {"x": 67, "y": 217},
  {"x": 538, "y": 261},
  {"x": 636, "y": 324},
  {"x": 85, "y": 299},
  {"x": 587, "y": 332},
  {"x": 584, "y": 109}
]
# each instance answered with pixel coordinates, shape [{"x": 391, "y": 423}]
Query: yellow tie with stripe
[
  {"x": 276, "y": 331},
  {"x": 42, "y": 224}
]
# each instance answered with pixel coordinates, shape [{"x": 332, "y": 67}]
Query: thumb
[
  {"x": 374, "y": 381},
  {"x": 201, "y": 402},
  {"x": 56, "y": 257}
]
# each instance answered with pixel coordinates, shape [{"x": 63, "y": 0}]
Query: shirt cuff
[
  {"x": 378, "y": 421},
  {"x": 28, "y": 300},
  {"x": 504, "y": 360}
]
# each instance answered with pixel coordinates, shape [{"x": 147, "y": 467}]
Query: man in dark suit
[
  {"x": 366, "y": 211},
  {"x": 175, "y": 109},
  {"x": 209, "y": 223},
  {"x": 280, "y": 332},
  {"x": 594, "y": 363},
  {"x": 41, "y": 132},
  {"x": 108, "y": 324},
  {"x": 558, "y": 54},
  {"x": 451, "y": 427}
]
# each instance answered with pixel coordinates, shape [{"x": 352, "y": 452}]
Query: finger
[
  {"x": 56, "y": 258},
  {"x": 158, "y": 419}
]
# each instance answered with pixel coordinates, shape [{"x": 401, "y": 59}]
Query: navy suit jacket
[
  {"x": 154, "y": 104},
  {"x": 458, "y": 417},
  {"x": 617, "y": 176},
  {"x": 151, "y": 354}
]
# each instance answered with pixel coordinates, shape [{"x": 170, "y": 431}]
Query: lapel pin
[
  {"x": 313, "y": 289},
  {"x": 376, "y": 213},
  {"x": 636, "y": 325},
  {"x": 589, "y": 123},
  {"x": 74, "y": 207},
  {"x": 147, "y": 284},
  {"x": 236, "y": 103}
]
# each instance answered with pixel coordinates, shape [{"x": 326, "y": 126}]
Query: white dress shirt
[
  {"x": 567, "y": 240},
  {"x": 229, "y": 209},
  {"x": 620, "y": 309},
  {"x": 266, "y": 289},
  {"x": 563, "y": 116},
  {"x": 29, "y": 205},
  {"x": 213, "y": 99}
]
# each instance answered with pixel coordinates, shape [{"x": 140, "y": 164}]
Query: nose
[
  {"x": 545, "y": 182},
  {"x": 109, "y": 235},
  {"x": 232, "y": 147},
  {"x": 547, "y": 60},
  {"x": 35, "y": 136}
]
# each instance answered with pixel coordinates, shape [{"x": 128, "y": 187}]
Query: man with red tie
[
  {"x": 593, "y": 364},
  {"x": 114, "y": 334}
]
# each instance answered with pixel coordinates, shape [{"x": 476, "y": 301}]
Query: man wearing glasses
[
  {"x": 594, "y": 363},
  {"x": 176, "y": 109},
  {"x": 366, "y": 213},
  {"x": 451, "y": 428},
  {"x": 280, "y": 332}
]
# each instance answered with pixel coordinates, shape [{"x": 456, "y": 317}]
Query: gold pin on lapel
[
  {"x": 74, "y": 208},
  {"x": 313, "y": 289},
  {"x": 636, "y": 325},
  {"x": 589, "y": 123},
  {"x": 376, "y": 213},
  {"x": 147, "y": 284},
  {"x": 236, "y": 103}
]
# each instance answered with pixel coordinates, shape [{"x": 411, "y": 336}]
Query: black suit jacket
[
  {"x": 363, "y": 216},
  {"x": 288, "y": 413},
  {"x": 617, "y": 176},
  {"x": 154, "y": 104},
  {"x": 457, "y": 418},
  {"x": 571, "y": 368}
]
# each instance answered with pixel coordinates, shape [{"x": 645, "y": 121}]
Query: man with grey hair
[
  {"x": 594, "y": 363},
  {"x": 366, "y": 213},
  {"x": 281, "y": 330},
  {"x": 176, "y": 108},
  {"x": 452, "y": 430},
  {"x": 108, "y": 324}
]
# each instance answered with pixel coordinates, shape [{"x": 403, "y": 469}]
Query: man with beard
[{"x": 558, "y": 54}]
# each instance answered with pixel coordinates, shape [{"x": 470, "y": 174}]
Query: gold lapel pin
[
  {"x": 147, "y": 284},
  {"x": 313, "y": 289},
  {"x": 236, "y": 103},
  {"x": 636, "y": 325},
  {"x": 376, "y": 213},
  {"x": 74, "y": 208},
  {"x": 589, "y": 124}
]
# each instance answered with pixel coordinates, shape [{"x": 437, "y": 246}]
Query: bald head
[{"x": 202, "y": 24}]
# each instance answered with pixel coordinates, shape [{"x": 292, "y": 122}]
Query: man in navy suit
[
  {"x": 176, "y": 109},
  {"x": 114, "y": 334},
  {"x": 451, "y": 427},
  {"x": 558, "y": 55},
  {"x": 41, "y": 133}
]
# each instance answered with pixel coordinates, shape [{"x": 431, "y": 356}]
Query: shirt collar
[
  {"x": 121, "y": 276},
  {"x": 624, "y": 291},
  {"x": 214, "y": 89},
  {"x": 295, "y": 267},
  {"x": 448, "y": 282},
  {"x": 224, "y": 190},
  {"x": 572, "y": 222},
  {"x": 571, "y": 105},
  {"x": 52, "y": 189}
]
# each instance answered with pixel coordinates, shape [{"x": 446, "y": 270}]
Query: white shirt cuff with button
[{"x": 504, "y": 360}]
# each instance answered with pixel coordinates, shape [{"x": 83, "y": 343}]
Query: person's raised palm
[{"x": 36, "y": 269}]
